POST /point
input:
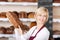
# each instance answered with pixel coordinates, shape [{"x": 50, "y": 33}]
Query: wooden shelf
[
  {"x": 19, "y": 3},
  {"x": 56, "y": 20},
  {"x": 56, "y": 4},
  {"x": 56, "y": 36},
  {"x": 22, "y": 19},
  {"x": 7, "y": 35}
]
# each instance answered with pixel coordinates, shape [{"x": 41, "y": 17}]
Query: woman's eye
[{"x": 42, "y": 15}]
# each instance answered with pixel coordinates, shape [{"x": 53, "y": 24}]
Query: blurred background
[{"x": 25, "y": 10}]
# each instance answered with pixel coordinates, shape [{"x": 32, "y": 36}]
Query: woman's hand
[{"x": 20, "y": 30}]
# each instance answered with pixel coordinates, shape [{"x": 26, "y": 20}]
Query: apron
[{"x": 32, "y": 37}]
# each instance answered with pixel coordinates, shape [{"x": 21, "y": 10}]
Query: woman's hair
[{"x": 43, "y": 9}]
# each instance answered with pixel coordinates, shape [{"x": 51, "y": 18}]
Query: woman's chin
[{"x": 41, "y": 22}]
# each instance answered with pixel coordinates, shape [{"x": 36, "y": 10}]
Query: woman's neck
[{"x": 39, "y": 26}]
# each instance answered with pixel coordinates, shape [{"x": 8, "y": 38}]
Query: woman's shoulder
[
  {"x": 32, "y": 28},
  {"x": 45, "y": 31},
  {"x": 43, "y": 34}
]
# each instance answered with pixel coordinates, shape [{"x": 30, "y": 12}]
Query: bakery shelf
[
  {"x": 18, "y": 3},
  {"x": 3, "y": 19},
  {"x": 7, "y": 35},
  {"x": 56, "y": 36},
  {"x": 56, "y": 4},
  {"x": 56, "y": 20},
  {"x": 22, "y": 19}
]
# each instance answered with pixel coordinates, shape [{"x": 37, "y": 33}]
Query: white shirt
[{"x": 42, "y": 35}]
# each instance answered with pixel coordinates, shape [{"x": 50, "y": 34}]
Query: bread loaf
[
  {"x": 3, "y": 15},
  {"x": 32, "y": 24},
  {"x": 2, "y": 30},
  {"x": 25, "y": 0},
  {"x": 56, "y": 1},
  {"x": 31, "y": 15},
  {"x": 9, "y": 31},
  {"x": 22, "y": 14},
  {"x": 3, "y": 0},
  {"x": 15, "y": 20}
]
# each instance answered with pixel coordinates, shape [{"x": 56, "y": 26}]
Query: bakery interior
[
  {"x": 56, "y": 20},
  {"x": 25, "y": 10}
]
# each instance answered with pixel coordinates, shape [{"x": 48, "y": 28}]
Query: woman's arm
[{"x": 23, "y": 36}]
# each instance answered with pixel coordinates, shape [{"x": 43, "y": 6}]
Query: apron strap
[{"x": 39, "y": 30}]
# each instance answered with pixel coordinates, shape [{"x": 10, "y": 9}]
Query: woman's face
[{"x": 41, "y": 17}]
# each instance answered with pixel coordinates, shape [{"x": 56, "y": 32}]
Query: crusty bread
[
  {"x": 3, "y": 15},
  {"x": 31, "y": 14},
  {"x": 24, "y": 0},
  {"x": 22, "y": 14},
  {"x": 32, "y": 24},
  {"x": 15, "y": 21}
]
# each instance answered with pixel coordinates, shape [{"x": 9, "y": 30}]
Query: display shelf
[
  {"x": 56, "y": 4},
  {"x": 7, "y": 35},
  {"x": 18, "y": 3},
  {"x": 56, "y": 36},
  {"x": 56, "y": 20},
  {"x": 22, "y": 19}
]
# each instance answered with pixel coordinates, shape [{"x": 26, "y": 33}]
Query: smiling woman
[{"x": 38, "y": 32}]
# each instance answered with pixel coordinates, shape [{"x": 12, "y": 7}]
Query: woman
[{"x": 38, "y": 32}]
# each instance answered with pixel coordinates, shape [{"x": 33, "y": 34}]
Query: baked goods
[
  {"x": 22, "y": 14},
  {"x": 16, "y": 13},
  {"x": 31, "y": 14},
  {"x": 15, "y": 20},
  {"x": 56, "y": 1},
  {"x": 10, "y": 0},
  {"x": 56, "y": 32},
  {"x": 9, "y": 31},
  {"x": 3, "y": 0},
  {"x": 32, "y": 24},
  {"x": 2, "y": 30},
  {"x": 24, "y": 0},
  {"x": 18, "y": 0},
  {"x": 3, "y": 15},
  {"x": 12, "y": 18},
  {"x": 30, "y": 0},
  {"x": 12, "y": 28}
]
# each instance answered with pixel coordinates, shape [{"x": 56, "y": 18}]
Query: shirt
[{"x": 42, "y": 35}]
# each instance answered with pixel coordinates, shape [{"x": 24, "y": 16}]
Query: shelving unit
[
  {"x": 56, "y": 20},
  {"x": 9, "y": 5}
]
